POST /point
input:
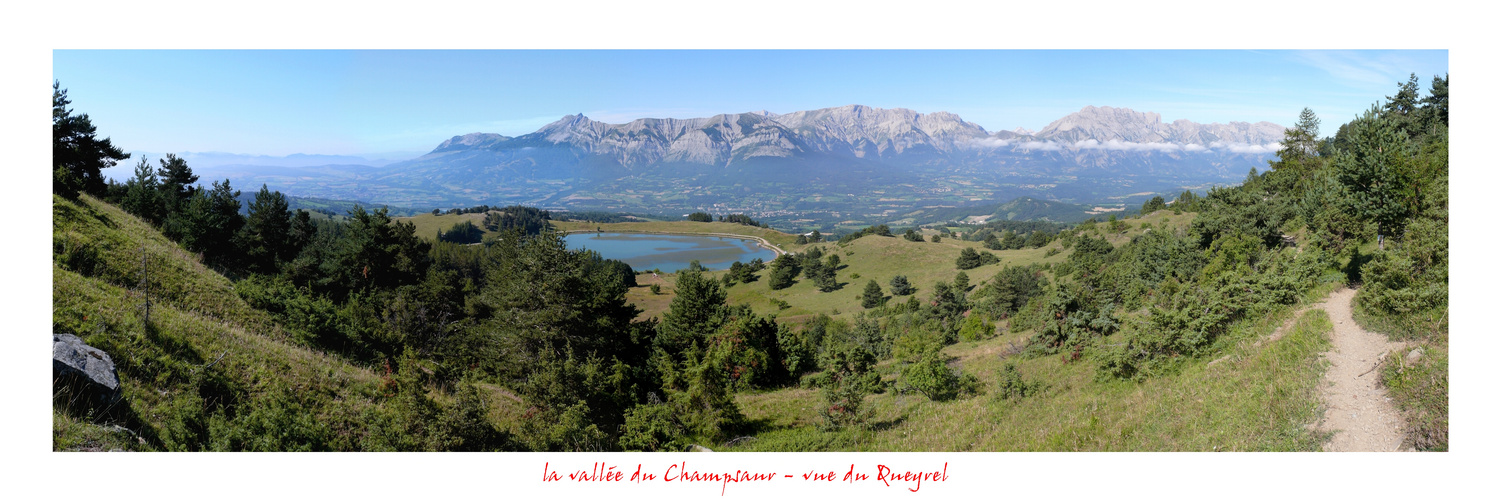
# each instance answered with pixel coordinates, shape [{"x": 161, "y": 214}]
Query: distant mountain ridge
[
  {"x": 855, "y": 131},
  {"x": 1105, "y": 124},
  {"x": 845, "y": 164}
]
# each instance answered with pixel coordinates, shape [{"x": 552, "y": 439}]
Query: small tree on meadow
[
  {"x": 899, "y": 285},
  {"x": 873, "y": 296}
]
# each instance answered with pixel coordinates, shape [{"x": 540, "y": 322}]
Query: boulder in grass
[{"x": 83, "y": 378}]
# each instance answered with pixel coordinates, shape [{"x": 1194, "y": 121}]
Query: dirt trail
[{"x": 1358, "y": 411}]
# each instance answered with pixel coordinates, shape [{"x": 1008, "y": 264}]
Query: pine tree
[
  {"x": 783, "y": 271},
  {"x": 961, "y": 282},
  {"x": 78, "y": 156},
  {"x": 695, "y": 313},
  {"x": 1376, "y": 172},
  {"x": 1436, "y": 103},
  {"x": 268, "y": 231},
  {"x": 873, "y": 296},
  {"x": 968, "y": 259},
  {"x": 177, "y": 181},
  {"x": 899, "y": 285},
  {"x": 143, "y": 194}
]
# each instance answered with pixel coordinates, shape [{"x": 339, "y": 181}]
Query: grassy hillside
[
  {"x": 878, "y": 258},
  {"x": 206, "y": 371},
  {"x": 428, "y": 225},
  {"x": 1261, "y": 397}
]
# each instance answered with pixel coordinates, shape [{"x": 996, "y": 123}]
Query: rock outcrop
[{"x": 83, "y": 378}]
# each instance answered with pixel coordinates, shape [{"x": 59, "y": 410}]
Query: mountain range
[{"x": 835, "y": 164}]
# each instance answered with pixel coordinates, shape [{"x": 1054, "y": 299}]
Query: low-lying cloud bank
[{"x": 1118, "y": 145}]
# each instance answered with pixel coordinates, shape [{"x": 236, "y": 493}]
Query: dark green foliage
[
  {"x": 968, "y": 259},
  {"x": 1038, "y": 239},
  {"x": 815, "y": 237},
  {"x": 1013, "y": 386},
  {"x": 1119, "y": 226},
  {"x": 700, "y": 217},
  {"x": 1010, "y": 241},
  {"x": 741, "y": 219},
  {"x": 936, "y": 238},
  {"x": 78, "y": 155},
  {"x": 899, "y": 286},
  {"x": 267, "y": 237},
  {"x": 464, "y": 232},
  {"x": 925, "y": 369},
  {"x": 655, "y": 289},
  {"x": 1186, "y": 202},
  {"x": 987, "y": 258},
  {"x": 594, "y": 216},
  {"x": 1150, "y": 259},
  {"x": 177, "y": 181},
  {"x": 881, "y": 230},
  {"x": 1071, "y": 316},
  {"x": 1240, "y": 280},
  {"x": 740, "y": 273},
  {"x": 873, "y": 297},
  {"x": 1436, "y": 103},
  {"x": 961, "y": 283},
  {"x": 698, "y": 390},
  {"x": 526, "y": 220},
  {"x": 696, "y": 312},
  {"x": 992, "y": 242},
  {"x": 748, "y": 349},
  {"x": 784, "y": 271},
  {"x": 822, "y": 275},
  {"x": 801, "y": 239},
  {"x": 1153, "y": 204},
  {"x": 848, "y": 376},
  {"x": 368, "y": 252},
  {"x": 653, "y": 427},
  {"x": 143, "y": 196},
  {"x": 207, "y": 224},
  {"x": 1376, "y": 172},
  {"x": 1010, "y": 290},
  {"x": 912, "y": 235}
]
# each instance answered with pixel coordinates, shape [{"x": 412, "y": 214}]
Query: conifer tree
[
  {"x": 78, "y": 155},
  {"x": 268, "y": 231},
  {"x": 899, "y": 285},
  {"x": 143, "y": 195},
  {"x": 873, "y": 296},
  {"x": 1376, "y": 172}
]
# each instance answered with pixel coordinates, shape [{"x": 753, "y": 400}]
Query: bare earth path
[{"x": 1358, "y": 411}]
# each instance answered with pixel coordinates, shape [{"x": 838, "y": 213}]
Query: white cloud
[
  {"x": 1194, "y": 148},
  {"x": 1039, "y": 146},
  {"x": 987, "y": 142},
  {"x": 1242, "y": 148},
  {"x": 1118, "y": 145}
]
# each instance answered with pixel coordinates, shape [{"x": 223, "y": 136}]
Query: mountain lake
[{"x": 671, "y": 252}]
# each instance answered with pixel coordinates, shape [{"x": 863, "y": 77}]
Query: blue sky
[{"x": 366, "y": 102}]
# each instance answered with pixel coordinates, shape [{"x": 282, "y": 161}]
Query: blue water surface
[{"x": 671, "y": 252}]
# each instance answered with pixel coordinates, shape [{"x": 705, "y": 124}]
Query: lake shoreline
[{"x": 762, "y": 242}]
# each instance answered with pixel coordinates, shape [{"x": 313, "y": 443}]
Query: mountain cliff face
[
  {"x": 845, "y": 163},
  {"x": 853, "y": 132},
  {"x": 1104, "y": 124}
]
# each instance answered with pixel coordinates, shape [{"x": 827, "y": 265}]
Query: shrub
[
  {"x": 1012, "y": 386},
  {"x": 848, "y": 377},
  {"x": 927, "y": 371},
  {"x": 899, "y": 286}
]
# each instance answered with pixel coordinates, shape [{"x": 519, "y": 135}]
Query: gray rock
[
  {"x": 1414, "y": 356},
  {"x": 84, "y": 376}
]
